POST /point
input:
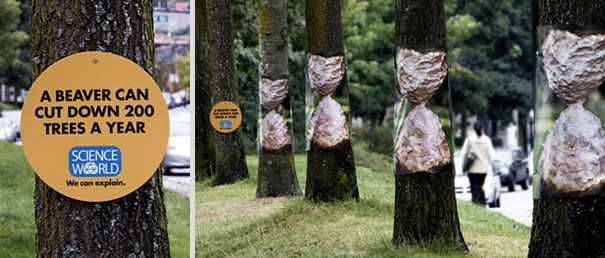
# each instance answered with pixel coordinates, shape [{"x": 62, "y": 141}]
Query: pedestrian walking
[{"x": 477, "y": 152}]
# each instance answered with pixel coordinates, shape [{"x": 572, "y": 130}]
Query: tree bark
[
  {"x": 230, "y": 159},
  {"x": 569, "y": 227},
  {"x": 276, "y": 171},
  {"x": 132, "y": 226},
  {"x": 330, "y": 171},
  {"x": 204, "y": 145},
  {"x": 425, "y": 202}
]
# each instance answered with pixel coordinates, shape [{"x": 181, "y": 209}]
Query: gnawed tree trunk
[
  {"x": 132, "y": 226},
  {"x": 425, "y": 203},
  {"x": 276, "y": 171},
  {"x": 204, "y": 146},
  {"x": 330, "y": 165},
  {"x": 230, "y": 159},
  {"x": 569, "y": 227}
]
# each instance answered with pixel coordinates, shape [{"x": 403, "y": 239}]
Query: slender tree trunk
[
  {"x": 521, "y": 131},
  {"x": 569, "y": 227},
  {"x": 330, "y": 165},
  {"x": 276, "y": 172},
  {"x": 464, "y": 125},
  {"x": 204, "y": 145},
  {"x": 17, "y": 94},
  {"x": 425, "y": 202},
  {"x": 132, "y": 226},
  {"x": 230, "y": 159}
]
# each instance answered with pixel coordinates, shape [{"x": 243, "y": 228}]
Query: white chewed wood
[
  {"x": 329, "y": 124},
  {"x": 573, "y": 159},
  {"x": 421, "y": 144},
  {"x": 274, "y": 133},
  {"x": 420, "y": 74},
  {"x": 325, "y": 73},
  {"x": 272, "y": 92},
  {"x": 574, "y": 65}
]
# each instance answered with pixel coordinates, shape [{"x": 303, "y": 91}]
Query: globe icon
[{"x": 90, "y": 168}]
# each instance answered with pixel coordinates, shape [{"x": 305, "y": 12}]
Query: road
[
  {"x": 517, "y": 205},
  {"x": 178, "y": 183}
]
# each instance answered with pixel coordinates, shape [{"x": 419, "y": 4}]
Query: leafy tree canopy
[{"x": 14, "y": 47}]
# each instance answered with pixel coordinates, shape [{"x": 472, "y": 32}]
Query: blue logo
[
  {"x": 95, "y": 161},
  {"x": 225, "y": 124}
]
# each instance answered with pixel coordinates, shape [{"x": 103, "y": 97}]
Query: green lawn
[
  {"x": 17, "y": 229},
  {"x": 7, "y": 107},
  {"x": 231, "y": 222}
]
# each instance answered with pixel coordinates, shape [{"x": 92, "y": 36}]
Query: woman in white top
[{"x": 481, "y": 146}]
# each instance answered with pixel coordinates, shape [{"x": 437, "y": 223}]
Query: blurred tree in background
[
  {"x": 182, "y": 70},
  {"x": 15, "y": 68},
  {"x": 369, "y": 32},
  {"x": 490, "y": 59}
]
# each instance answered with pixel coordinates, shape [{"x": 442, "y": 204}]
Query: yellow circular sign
[
  {"x": 94, "y": 126},
  {"x": 225, "y": 117}
]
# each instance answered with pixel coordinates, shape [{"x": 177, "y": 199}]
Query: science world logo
[{"x": 95, "y": 161}]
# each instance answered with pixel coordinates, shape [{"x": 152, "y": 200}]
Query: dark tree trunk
[
  {"x": 569, "y": 227},
  {"x": 425, "y": 203},
  {"x": 463, "y": 125},
  {"x": 276, "y": 171},
  {"x": 17, "y": 95},
  {"x": 330, "y": 171},
  {"x": 493, "y": 126},
  {"x": 230, "y": 159},
  {"x": 204, "y": 147},
  {"x": 521, "y": 131},
  {"x": 132, "y": 226}
]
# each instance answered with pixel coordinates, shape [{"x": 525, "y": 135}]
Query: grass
[
  {"x": 17, "y": 228},
  {"x": 231, "y": 222},
  {"x": 7, "y": 107}
]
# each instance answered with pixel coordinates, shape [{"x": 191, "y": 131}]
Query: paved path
[
  {"x": 178, "y": 183},
  {"x": 517, "y": 205}
]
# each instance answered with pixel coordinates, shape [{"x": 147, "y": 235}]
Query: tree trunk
[
  {"x": 425, "y": 202},
  {"x": 132, "y": 226},
  {"x": 330, "y": 166},
  {"x": 204, "y": 147},
  {"x": 230, "y": 159},
  {"x": 521, "y": 131},
  {"x": 464, "y": 125},
  {"x": 276, "y": 171},
  {"x": 569, "y": 227}
]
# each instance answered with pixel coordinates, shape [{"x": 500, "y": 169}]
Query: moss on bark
[
  {"x": 323, "y": 25},
  {"x": 331, "y": 173},
  {"x": 276, "y": 174},
  {"x": 425, "y": 209}
]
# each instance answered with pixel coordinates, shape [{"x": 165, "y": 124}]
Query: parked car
[
  {"x": 515, "y": 171},
  {"x": 169, "y": 99},
  {"x": 178, "y": 153}
]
